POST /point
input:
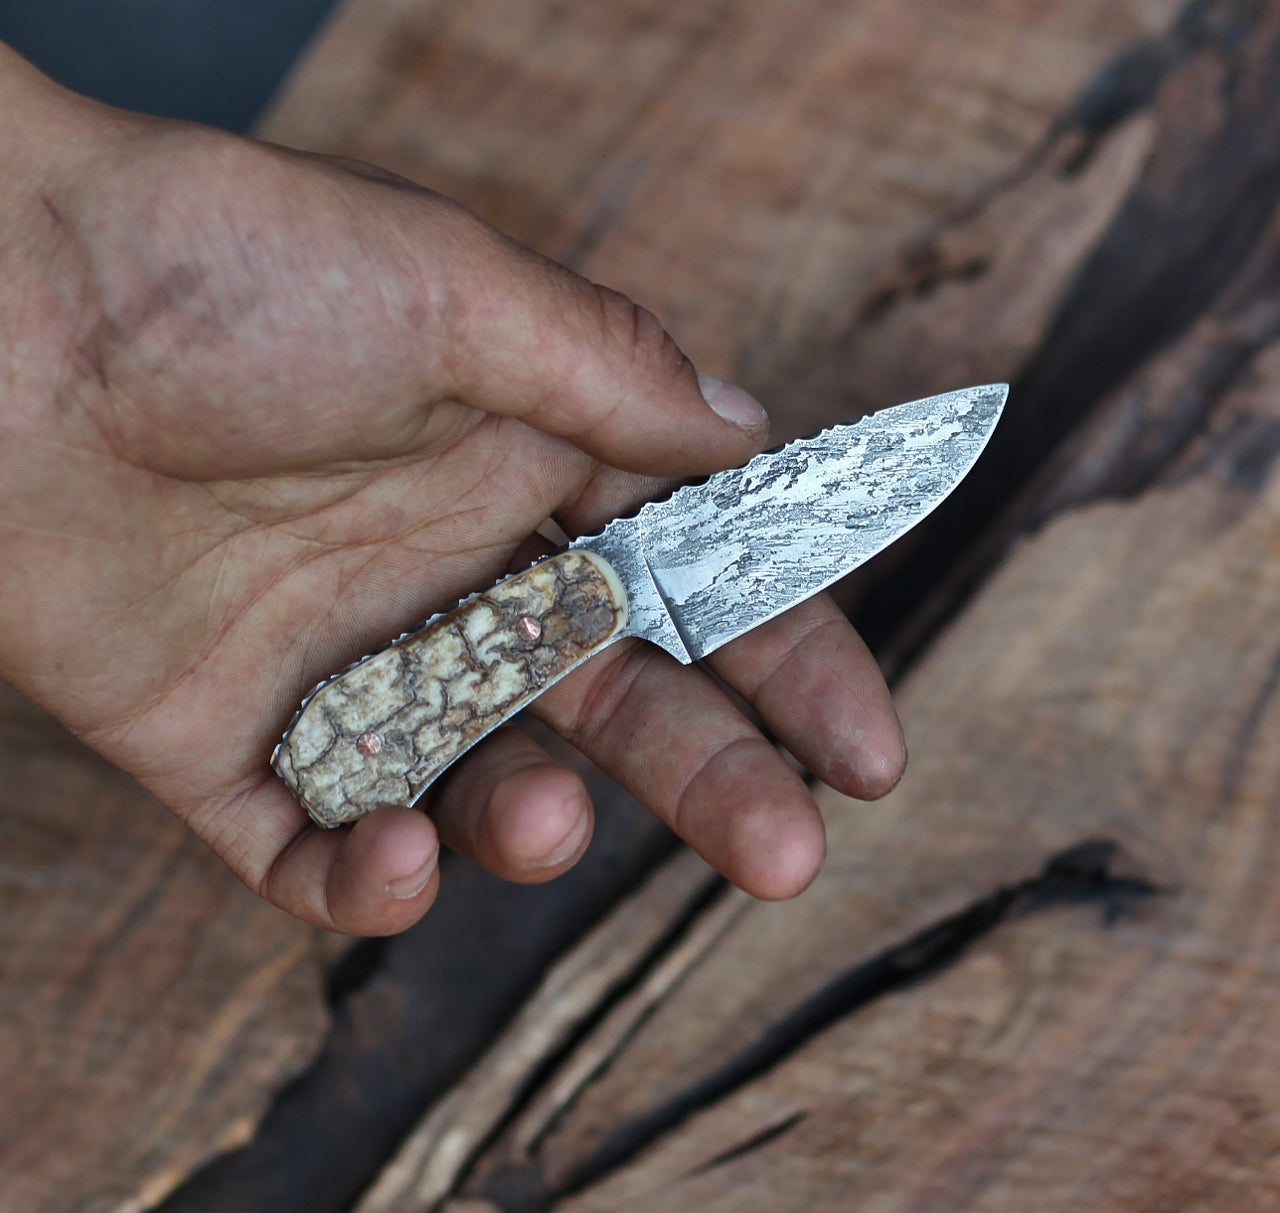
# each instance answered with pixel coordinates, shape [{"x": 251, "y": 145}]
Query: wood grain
[
  {"x": 431, "y": 1160},
  {"x": 150, "y": 1006}
]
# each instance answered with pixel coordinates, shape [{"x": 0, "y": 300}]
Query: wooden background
[{"x": 1043, "y": 973}]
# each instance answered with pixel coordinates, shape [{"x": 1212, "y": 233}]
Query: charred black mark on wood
[
  {"x": 412, "y": 1014},
  {"x": 1249, "y": 459},
  {"x": 355, "y": 967},
  {"x": 1132, "y": 80}
]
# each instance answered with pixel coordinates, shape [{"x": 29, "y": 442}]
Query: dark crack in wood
[
  {"x": 755, "y": 1142},
  {"x": 1088, "y": 873}
]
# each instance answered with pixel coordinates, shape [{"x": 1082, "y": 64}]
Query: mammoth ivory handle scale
[{"x": 382, "y": 731}]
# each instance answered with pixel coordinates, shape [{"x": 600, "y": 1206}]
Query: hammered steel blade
[{"x": 727, "y": 555}]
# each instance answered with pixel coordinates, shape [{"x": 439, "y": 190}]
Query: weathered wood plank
[
  {"x": 1196, "y": 213},
  {"x": 431, "y": 1159},
  {"x": 150, "y": 1006}
]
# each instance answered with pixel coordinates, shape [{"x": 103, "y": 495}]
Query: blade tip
[
  {"x": 991, "y": 395},
  {"x": 998, "y": 390}
]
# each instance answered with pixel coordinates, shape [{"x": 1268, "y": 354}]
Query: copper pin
[{"x": 529, "y": 628}]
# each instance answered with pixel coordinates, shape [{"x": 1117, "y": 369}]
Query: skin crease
[{"x": 261, "y": 410}]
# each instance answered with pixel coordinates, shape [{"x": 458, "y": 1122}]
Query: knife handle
[{"x": 379, "y": 733}]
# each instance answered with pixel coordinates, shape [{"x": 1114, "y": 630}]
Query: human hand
[{"x": 263, "y": 411}]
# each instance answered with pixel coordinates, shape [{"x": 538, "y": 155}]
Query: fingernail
[
  {"x": 405, "y": 888},
  {"x": 569, "y": 844},
  {"x": 732, "y": 403}
]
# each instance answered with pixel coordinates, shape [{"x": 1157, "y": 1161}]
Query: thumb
[{"x": 524, "y": 337}]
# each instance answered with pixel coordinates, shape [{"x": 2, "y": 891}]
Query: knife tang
[{"x": 382, "y": 731}]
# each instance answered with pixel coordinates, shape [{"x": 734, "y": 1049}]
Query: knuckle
[{"x": 638, "y": 335}]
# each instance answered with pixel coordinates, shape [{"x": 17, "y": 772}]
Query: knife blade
[{"x": 689, "y": 573}]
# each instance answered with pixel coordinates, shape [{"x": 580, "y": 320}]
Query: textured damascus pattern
[
  {"x": 716, "y": 559},
  {"x": 382, "y": 731},
  {"x": 745, "y": 545}
]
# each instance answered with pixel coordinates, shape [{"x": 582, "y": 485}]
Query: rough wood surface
[
  {"x": 150, "y": 1006},
  {"x": 431, "y": 1160}
]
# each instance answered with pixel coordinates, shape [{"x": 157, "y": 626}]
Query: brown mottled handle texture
[{"x": 382, "y": 731}]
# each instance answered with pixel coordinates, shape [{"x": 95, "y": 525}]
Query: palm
[
  {"x": 254, "y": 589},
  {"x": 219, "y": 408}
]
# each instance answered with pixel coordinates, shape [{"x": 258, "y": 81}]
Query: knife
[{"x": 689, "y": 573}]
